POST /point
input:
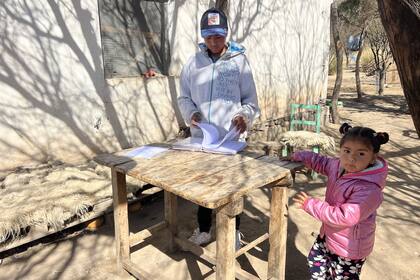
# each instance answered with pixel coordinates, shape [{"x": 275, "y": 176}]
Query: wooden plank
[
  {"x": 175, "y": 167},
  {"x": 251, "y": 245},
  {"x": 138, "y": 237},
  {"x": 184, "y": 172},
  {"x": 110, "y": 160},
  {"x": 225, "y": 246},
  {"x": 175, "y": 177},
  {"x": 119, "y": 194},
  {"x": 137, "y": 272},
  {"x": 230, "y": 184},
  {"x": 266, "y": 148},
  {"x": 278, "y": 233},
  {"x": 244, "y": 275},
  {"x": 241, "y": 274},
  {"x": 234, "y": 208},
  {"x": 162, "y": 161},
  {"x": 291, "y": 165},
  {"x": 113, "y": 159},
  {"x": 178, "y": 167},
  {"x": 184, "y": 160},
  {"x": 199, "y": 251},
  {"x": 171, "y": 218}
]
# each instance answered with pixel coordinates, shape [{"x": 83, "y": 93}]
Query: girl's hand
[{"x": 300, "y": 199}]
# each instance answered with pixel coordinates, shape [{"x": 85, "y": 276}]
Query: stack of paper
[{"x": 211, "y": 141}]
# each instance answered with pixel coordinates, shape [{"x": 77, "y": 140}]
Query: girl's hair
[{"x": 366, "y": 135}]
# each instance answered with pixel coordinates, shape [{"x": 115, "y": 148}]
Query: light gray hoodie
[{"x": 219, "y": 90}]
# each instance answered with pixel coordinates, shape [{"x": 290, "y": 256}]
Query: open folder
[{"x": 211, "y": 142}]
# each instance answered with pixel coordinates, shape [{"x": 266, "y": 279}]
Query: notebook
[{"x": 211, "y": 141}]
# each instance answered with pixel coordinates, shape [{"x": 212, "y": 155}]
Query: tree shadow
[
  {"x": 42, "y": 84},
  {"x": 52, "y": 67}
]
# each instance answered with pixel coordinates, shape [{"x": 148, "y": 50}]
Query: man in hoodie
[{"x": 217, "y": 87}]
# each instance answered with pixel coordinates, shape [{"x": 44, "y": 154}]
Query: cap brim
[{"x": 213, "y": 32}]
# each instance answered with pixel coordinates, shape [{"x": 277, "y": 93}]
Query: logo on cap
[{"x": 213, "y": 19}]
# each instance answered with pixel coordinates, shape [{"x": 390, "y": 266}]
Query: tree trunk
[
  {"x": 339, "y": 55},
  {"x": 381, "y": 81},
  {"x": 357, "y": 70},
  {"x": 401, "y": 20},
  {"x": 223, "y": 5},
  {"x": 357, "y": 75},
  {"x": 347, "y": 53}
]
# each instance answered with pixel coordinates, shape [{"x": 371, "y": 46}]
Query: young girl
[{"x": 348, "y": 214}]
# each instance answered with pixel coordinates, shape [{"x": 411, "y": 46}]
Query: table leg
[
  {"x": 225, "y": 246},
  {"x": 119, "y": 194},
  {"x": 225, "y": 239},
  {"x": 171, "y": 218},
  {"x": 278, "y": 233}
]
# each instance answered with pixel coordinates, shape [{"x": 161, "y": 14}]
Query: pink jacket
[{"x": 348, "y": 213}]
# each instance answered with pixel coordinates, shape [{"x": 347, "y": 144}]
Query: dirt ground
[{"x": 87, "y": 255}]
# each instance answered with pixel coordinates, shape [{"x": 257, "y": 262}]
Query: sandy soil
[{"x": 87, "y": 255}]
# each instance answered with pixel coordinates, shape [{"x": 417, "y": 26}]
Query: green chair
[
  {"x": 328, "y": 102},
  {"x": 304, "y": 117},
  {"x": 296, "y": 120}
]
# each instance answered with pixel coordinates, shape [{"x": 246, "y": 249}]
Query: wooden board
[
  {"x": 210, "y": 180},
  {"x": 232, "y": 183}
]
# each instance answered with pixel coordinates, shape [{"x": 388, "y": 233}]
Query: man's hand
[
  {"x": 300, "y": 199},
  {"x": 239, "y": 123},
  {"x": 195, "y": 119}
]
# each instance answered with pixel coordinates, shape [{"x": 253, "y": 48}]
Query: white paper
[
  {"x": 232, "y": 135},
  {"x": 211, "y": 136},
  {"x": 210, "y": 133},
  {"x": 210, "y": 142},
  {"x": 146, "y": 152}
]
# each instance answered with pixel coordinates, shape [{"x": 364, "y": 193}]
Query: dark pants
[
  {"x": 204, "y": 219},
  {"x": 324, "y": 264}
]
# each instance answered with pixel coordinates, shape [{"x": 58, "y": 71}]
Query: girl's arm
[
  {"x": 321, "y": 164},
  {"x": 361, "y": 204}
]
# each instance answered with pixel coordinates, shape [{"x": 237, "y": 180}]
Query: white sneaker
[
  {"x": 200, "y": 238},
  {"x": 238, "y": 240}
]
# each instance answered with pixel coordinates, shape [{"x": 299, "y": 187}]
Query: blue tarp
[{"x": 353, "y": 42}]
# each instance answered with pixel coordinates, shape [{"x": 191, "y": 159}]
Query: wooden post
[
  {"x": 171, "y": 219},
  {"x": 278, "y": 233},
  {"x": 225, "y": 239},
  {"x": 225, "y": 246},
  {"x": 119, "y": 194}
]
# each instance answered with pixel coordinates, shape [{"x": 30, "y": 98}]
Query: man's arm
[
  {"x": 186, "y": 105},
  {"x": 250, "y": 109}
]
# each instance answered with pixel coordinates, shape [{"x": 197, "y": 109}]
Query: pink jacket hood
[{"x": 348, "y": 213}]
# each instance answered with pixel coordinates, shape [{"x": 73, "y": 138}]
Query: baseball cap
[{"x": 213, "y": 22}]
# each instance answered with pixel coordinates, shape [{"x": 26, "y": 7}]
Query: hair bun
[
  {"x": 344, "y": 128},
  {"x": 382, "y": 137}
]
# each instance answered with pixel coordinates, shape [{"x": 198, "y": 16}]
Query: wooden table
[{"x": 210, "y": 180}]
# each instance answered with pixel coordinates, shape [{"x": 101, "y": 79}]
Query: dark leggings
[{"x": 204, "y": 219}]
